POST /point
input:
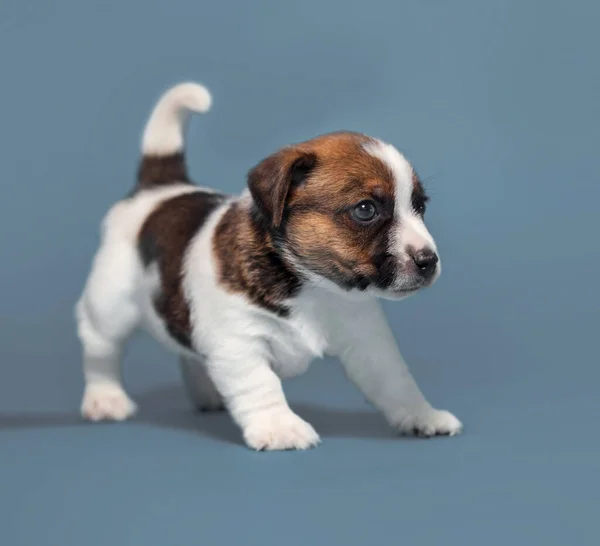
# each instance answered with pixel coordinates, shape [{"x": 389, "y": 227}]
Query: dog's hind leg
[{"x": 107, "y": 315}]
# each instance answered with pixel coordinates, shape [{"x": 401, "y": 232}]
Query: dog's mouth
[
  {"x": 396, "y": 293},
  {"x": 410, "y": 290},
  {"x": 405, "y": 291},
  {"x": 399, "y": 286},
  {"x": 403, "y": 287}
]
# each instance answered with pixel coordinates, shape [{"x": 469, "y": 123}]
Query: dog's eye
[
  {"x": 419, "y": 204},
  {"x": 365, "y": 211}
]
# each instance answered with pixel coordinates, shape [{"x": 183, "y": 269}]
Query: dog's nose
[{"x": 425, "y": 260}]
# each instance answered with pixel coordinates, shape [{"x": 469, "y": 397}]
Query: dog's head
[{"x": 349, "y": 209}]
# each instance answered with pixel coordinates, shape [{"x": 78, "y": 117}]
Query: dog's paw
[
  {"x": 106, "y": 403},
  {"x": 429, "y": 423},
  {"x": 280, "y": 432}
]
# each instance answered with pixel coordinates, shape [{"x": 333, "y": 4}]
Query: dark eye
[
  {"x": 419, "y": 205},
  {"x": 365, "y": 211}
]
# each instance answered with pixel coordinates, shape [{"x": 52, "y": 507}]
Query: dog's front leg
[
  {"x": 371, "y": 359},
  {"x": 254, "y": 397}
]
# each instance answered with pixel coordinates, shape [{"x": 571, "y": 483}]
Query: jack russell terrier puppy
[{"x": 248, "y": 290}]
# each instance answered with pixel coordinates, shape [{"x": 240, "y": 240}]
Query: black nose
[{"x": 425, "y": 260}]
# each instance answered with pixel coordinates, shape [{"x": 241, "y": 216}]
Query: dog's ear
[{"x": 271, "y": 180}]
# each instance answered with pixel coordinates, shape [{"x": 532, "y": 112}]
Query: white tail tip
[{"x": 163, "y": 134}]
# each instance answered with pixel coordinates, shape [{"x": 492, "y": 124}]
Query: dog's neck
[{"x": 250, "y": 261}]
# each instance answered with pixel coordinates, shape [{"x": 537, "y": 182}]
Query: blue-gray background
[{"x": 496, "y": 103}]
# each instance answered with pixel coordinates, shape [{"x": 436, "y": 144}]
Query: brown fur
[
  {"x": 311, "y": 212},
  {"x": 248, "y": 262},
  {"x": 156, "y": 171},
  {"x": 163, "y": 240}
]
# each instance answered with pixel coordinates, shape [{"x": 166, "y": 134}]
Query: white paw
[
  {"x": 279, "y": 432},
  {"x": 429, "y": 423},
  {"x": 106, "y": 402}
]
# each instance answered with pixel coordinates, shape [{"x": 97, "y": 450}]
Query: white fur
[
  {"x": 164, "y": 131},
  {"x": 245, "y": 350},
  {"x": 400, "y": 167},
  {"x": 106, "y": 401}
]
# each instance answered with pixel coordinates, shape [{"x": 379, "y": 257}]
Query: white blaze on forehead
[
  {"x": 400, "y": 168},
  {"x": 411, "y": 228}
]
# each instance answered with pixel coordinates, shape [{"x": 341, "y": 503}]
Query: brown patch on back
[
  {"x": 248, "y": 262},
  {"x": 164, "y": 239}
]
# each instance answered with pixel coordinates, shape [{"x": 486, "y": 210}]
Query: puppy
[{"x": 248, "y": 290}]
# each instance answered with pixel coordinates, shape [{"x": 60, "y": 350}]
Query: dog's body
[{"x": 248, "y": 290}]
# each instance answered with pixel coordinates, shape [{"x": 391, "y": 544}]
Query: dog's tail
[{"x": 163, "y": 153}]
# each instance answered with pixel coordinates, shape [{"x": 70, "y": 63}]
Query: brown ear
[{"x": 270, "y": 181}]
